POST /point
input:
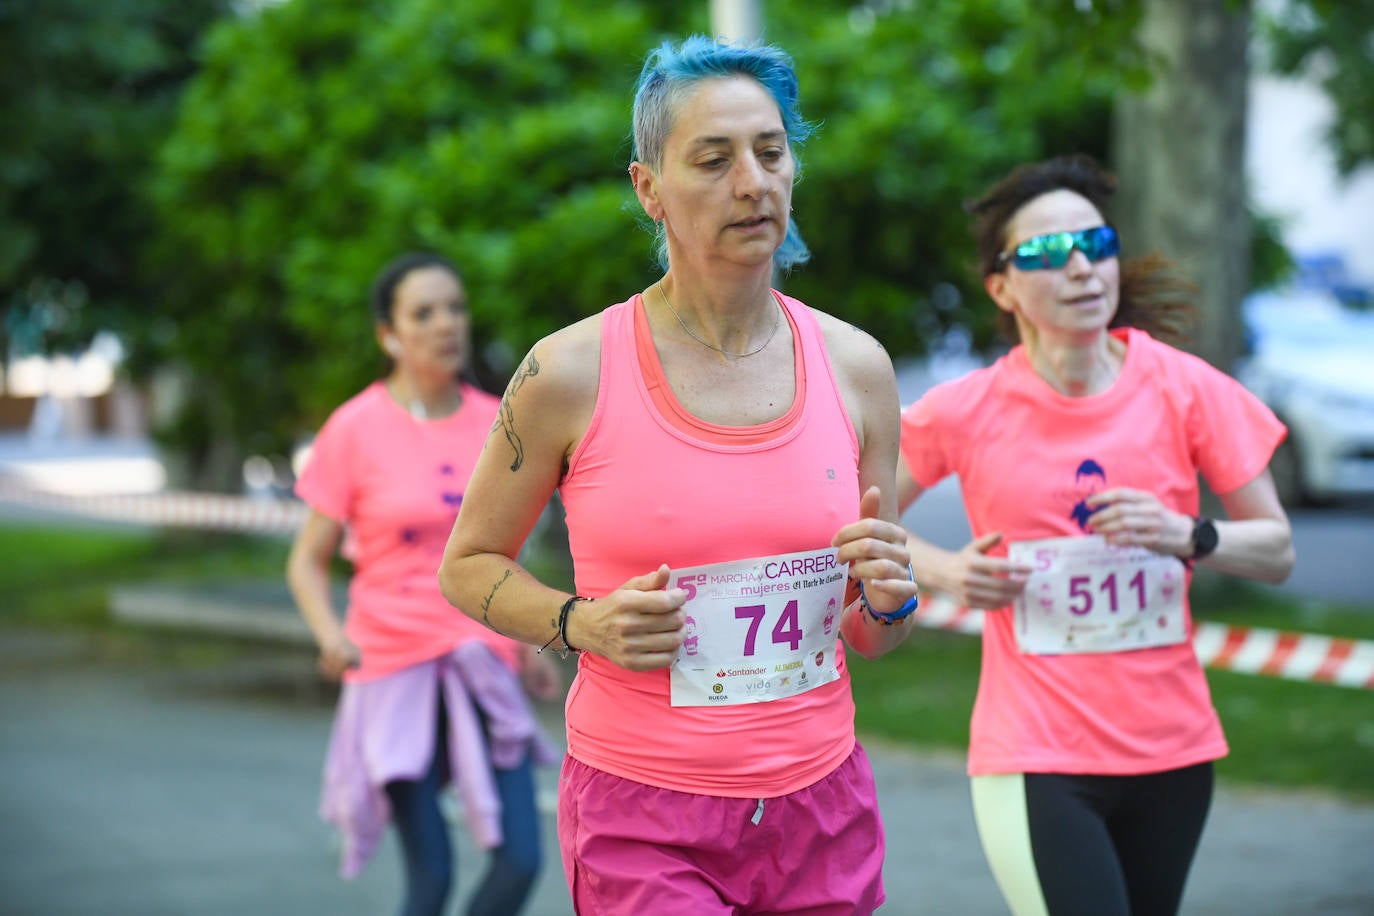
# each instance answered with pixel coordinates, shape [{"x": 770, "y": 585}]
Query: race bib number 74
[{"x": 758, "y": 629}]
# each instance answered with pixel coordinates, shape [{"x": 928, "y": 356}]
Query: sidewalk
[{"x": 147, "y": 790}]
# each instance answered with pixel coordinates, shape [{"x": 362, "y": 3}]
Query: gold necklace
[{"x": 777, "y": 321}]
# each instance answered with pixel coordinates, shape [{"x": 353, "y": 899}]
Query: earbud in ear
[{"x": 393, "y": 346}]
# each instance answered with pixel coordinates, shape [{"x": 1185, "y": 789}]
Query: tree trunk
[{"x": 1179, "y": 150}]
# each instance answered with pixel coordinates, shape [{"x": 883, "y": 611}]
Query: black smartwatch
[{"x": 1204, "y": 537}]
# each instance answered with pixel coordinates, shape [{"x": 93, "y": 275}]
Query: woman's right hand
[
  {"x": 981, "y": 582},
  {"x": 337, "y": 655},
  {"x": 639, "y": 626}
]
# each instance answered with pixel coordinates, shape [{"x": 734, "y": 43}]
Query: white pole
[
  {"x": 737, "y": 20},
  {"x": 741, "y": 21}
]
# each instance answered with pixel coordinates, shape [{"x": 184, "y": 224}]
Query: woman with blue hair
[{"x": 726, "y": 455}]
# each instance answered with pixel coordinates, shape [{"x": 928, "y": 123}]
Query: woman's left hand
[
  {"x": 877, "y": 553},
  {"x": 541, "y": 677},
  {"x": 1136, "y": 518}
]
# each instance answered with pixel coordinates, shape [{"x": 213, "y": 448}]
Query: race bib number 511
[
  {"x": 1086, "y": 595},
  {"x": 759, "y": 629}
]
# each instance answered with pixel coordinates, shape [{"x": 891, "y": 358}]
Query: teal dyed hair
[{"x": 671, "y": 71}]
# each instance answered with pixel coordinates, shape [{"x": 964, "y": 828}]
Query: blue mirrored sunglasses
[{"x": 1045, "y": 252}]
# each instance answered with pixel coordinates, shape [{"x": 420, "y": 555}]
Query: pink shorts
[{"x": 632, "y": 848}]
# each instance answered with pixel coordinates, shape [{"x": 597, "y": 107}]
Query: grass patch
[
  {"x": 42, "y": 556},
  {"x": 61, "y": 576},
  {"x": 1282, "y": 733},
  {"x": 920, "y": 694},
  {"x": 1241, "y": 603},
  {"x": 1289, "y": 733}
]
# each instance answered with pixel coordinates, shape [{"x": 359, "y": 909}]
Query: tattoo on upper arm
[
  {"x": 486, "y": 602},
  {"x": 506, "y": 418}
]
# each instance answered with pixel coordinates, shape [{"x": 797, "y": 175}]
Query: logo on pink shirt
[{"x": 1087, "y": 480}]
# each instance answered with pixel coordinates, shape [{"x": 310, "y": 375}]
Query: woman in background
[{"x": 428, "y": 695}]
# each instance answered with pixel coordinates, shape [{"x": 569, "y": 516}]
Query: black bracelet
[
  {"x": 563, "y": 627},
  {"x": 563, "y": 621}
]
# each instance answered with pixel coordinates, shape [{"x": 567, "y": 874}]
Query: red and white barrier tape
[
  {"x": 1247, "y": 650},
  {"x": 204, "y": 511},
  {"x": 1295, "y": 656}
]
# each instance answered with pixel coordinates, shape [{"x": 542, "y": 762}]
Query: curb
[{"x": 169, "y": 606}]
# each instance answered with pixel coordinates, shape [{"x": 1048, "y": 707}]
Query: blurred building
[{"x": 1292, "y": 175}]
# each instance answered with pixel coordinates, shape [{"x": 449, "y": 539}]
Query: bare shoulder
[
  {"x": 551, "y": 396},
  {"x": 857, "y": 356},
  {"x": 564, "y": 366}
]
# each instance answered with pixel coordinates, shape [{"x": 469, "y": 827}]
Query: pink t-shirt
[
  {"x": 1026, "y": 457},
  {"x": 651, "y": 484},
  {"x": 396, "y": 483}
]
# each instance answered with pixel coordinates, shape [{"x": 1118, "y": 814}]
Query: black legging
[
  {"x": 428, "y": 854},
  {"x": 1113, "y": 845},
  {"x": 1094, "y": 845}
]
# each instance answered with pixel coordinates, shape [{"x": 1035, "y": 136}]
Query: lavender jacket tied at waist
[{"x": 384, "y": 731}]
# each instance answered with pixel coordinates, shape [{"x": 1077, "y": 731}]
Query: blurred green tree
[
  {"x": 322, "y": 137},
  {"x": 1180, "y": 145},
  {"x": 1331, "y": 41},
  {"x": 923, "y": 105},
  {"x": 88, "y": 90}
]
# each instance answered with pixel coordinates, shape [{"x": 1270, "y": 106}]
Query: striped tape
[
  {"x": 204, "y": 511},
  {"x": 1246, "y": 650}
]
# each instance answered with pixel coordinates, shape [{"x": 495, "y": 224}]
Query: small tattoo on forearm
[
  {"x": 486, "y": 602},
  {"x": 506, "y": 419}
]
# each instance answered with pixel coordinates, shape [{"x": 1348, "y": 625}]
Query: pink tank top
[{"x": 651, "y": 484}]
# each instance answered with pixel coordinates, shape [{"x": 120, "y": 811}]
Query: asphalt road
[{"x": 133, "y": 789}]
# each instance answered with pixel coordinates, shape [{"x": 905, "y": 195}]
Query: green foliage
[
  {"x": 923, "y": 106},
  {"x": 1334, "y": 41},
  {"x": 88, "y": 90},
  {"x": 318, "y": 138},
  {"x": 324, "y": 136},
  {"x": 1271, "y": 263}
]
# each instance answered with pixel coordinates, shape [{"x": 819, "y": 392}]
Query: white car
[{"x": 1312, "y": 362}]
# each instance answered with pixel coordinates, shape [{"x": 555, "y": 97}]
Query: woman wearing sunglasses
[{"x": 1078, "y": 454}]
